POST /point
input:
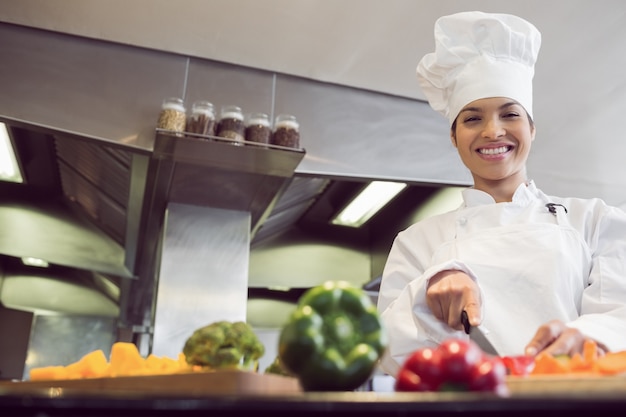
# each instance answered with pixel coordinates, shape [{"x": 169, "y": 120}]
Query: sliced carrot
[
  {"x": 46, "y": 373},
  {"x": 548, "y": 364},
  {"x": 611, "y": 363},
  {"x": 590, "y": 351},
  {"x": 125, "y": 360},
  {"x": 182, "y": 363},
  {"x": 579, "y": 365},
  {"x": 157, "y": 365},
  {"x": 74, "y": 371},
  {"x": 93, "y": 365}
]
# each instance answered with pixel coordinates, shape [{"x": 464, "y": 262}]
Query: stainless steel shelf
[
  {"x": 227, "y": 154},
  {"x": 215, "y": 172}
]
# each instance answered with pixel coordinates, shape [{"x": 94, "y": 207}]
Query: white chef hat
[{"x": 479, "y": 55}]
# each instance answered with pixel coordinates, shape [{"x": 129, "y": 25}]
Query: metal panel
[
  {"x": 96, "y": 89},
  {"x": 104, "y": 166},
  {"x": 113, "y": 92},
  {"x": 355, "y": 133},
  {"x": 14, "y": 334},
  {"x": 203, "y": 274},
  {"x": 47, "y": 230},
  {"x": 63, "y": 339},
  {"x": 216, "y": 174},
  {"x": 98, "y": 179},
  {"x": 224, "y": 84},
  {"x": 299, "y": 196}
]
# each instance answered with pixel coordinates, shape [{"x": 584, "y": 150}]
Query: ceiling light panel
[
  {"x": 367, "y": 203},
  {"x": 9, "y": 167}
]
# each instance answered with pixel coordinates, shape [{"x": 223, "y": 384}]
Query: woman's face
[{"x": 493, "y": 137}]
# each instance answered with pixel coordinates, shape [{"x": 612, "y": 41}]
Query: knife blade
[{"x": 477, "y": 335}]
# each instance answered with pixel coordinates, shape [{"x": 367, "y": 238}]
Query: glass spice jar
[
  {"x": 202, "y": 118},
  {"x": 231, "y": 125},
  {"x": 286, "y": 131},
  {"x": 258, "y": 128},
  {"x": 173, "y": 115}
]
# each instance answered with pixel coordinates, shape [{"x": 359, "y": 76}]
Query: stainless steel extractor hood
[{"x": 83, "y": 115}]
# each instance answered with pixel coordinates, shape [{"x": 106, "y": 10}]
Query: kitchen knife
[{"x": 476, "y": 334}]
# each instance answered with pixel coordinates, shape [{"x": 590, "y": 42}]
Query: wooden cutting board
[
  {"x": 193, "y": 384},
  {"x": 249, "y": 383},
  {"x": 566, "y": 384}
]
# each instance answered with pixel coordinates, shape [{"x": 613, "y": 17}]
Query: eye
[
  {"x": 471, "y": 118},
  {"x": 510, "y": 114}
]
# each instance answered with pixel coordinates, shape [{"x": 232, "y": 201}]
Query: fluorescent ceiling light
[
  {"x": 9, "y": 168},
  {"x": 279, "y": 288},
  {"x": 29, "y": 261},
  {"x": 373, "y": 197}
]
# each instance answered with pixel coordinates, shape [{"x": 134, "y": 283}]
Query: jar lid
[
  {"x": 231, "y": 112},
  {"x": 287, "y": 121},
  {"x": 173, "y": 103},
  {"x": 203, "y": 107},
  {"x": 258, "y": 119}
]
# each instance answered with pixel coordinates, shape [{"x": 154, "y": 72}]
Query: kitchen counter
[
  {"x": 232, "y": 392},
  {"x": 54, "y": 402}
]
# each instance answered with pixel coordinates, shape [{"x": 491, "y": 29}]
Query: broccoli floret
[{"x": 224, "y": 344}]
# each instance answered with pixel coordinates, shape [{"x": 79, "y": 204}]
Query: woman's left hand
[{"x": 555, "y": 338}]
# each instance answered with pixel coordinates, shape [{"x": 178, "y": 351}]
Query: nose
[{"x": 493, "y": 128}]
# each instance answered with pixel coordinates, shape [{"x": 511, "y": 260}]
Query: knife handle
[{"x": 465, "y": 322}]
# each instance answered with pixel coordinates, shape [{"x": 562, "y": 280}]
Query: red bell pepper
[
  {"x": 456, "y": 364},
  {"x": 518, "y": 365},
  {"x": 421, "y": 372}
]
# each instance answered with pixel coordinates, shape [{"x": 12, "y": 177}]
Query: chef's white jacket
[{"x": 533, "y": 263}]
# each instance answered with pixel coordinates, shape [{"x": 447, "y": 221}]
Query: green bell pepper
[{"x": 334, "y": 338}]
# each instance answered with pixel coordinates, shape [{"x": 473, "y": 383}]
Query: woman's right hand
[{"x": 449, "y": 293}]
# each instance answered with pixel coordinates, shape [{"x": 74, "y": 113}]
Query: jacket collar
[{"x": 524, "y": 194}]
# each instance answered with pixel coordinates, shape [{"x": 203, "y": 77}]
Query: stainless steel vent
[
  {"x": 97, "y": 178},
  {"x": 299, "y": 196}
]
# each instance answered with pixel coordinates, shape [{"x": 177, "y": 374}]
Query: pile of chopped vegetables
[
  {"x": 219, "y": 345},
  {"x": 590, "y": 362},
  {"x": 125, "y": 360}
]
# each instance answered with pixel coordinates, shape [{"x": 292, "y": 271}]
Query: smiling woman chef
[{"x": 536, "y": 272}]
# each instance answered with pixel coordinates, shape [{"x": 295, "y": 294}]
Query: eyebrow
[{"x": 478, "y": 109}]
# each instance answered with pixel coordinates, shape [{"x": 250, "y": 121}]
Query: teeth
[{"x": 493, "y": 151}]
